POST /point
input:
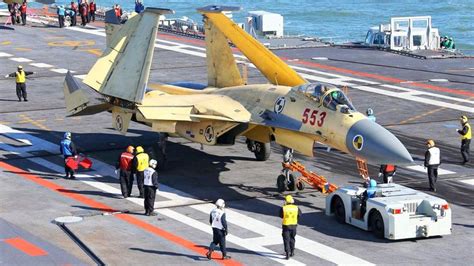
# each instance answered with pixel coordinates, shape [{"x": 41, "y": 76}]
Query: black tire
[
  {"x": 300, "y": 185},
  {"x": 262, "y": 151},
  {"x": 281, "y": 183},
  {"x": 291, "y": 183},
  {"x": 339, "y": 210},
  {"x": 377, "y": 225}
]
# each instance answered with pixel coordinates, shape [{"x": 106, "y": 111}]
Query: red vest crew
[{"x": 124, "y": 165}]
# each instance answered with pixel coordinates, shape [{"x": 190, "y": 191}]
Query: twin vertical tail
[{"x": 123, "y": 69}]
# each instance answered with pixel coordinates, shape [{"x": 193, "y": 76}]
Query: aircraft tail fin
[
  {"x": 123, "y": 69},
  {"x": 78, "y": 101},
  {"x": 222, "y": 70},
  {"x": 271, "y": 66}
]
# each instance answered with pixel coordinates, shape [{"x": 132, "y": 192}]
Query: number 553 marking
[{"x": 312, "y": 117}]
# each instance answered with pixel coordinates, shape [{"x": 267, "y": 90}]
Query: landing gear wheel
[
  {"x": 261, "y": 151},
  {"x": 300, "y": 185},
  {"x": 377, "y": 224},
  {"x": 281, "y": 183},
  {"x": 339, "y": 210},
  {"x": 291, "y": 183}
]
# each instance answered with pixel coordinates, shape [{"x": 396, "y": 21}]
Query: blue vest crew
[{"x": 68, "y": 150}]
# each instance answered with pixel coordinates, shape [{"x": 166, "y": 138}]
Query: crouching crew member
[
  {"x": 432, "y": 162},
  {"x": 68, "y": 149},
  {"x": 387, "y": 171},
  {"x": 466, "y": 135},
  {"x": 150, "y": 185},
  {"x": 290, "y": 214},
  {"x": 219, "y": 229},
  {"x": 124, "y": 165},
  {"x": 140, "y": 163}
]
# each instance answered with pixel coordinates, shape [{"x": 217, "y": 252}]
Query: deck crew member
[
  {"x": 367, "y": 194},
  {"x": 68, "y": 150},
  {"x": 150, "y": 186},
  {"x": 83, "y": 10},
  {"x": 387, "y": 171},
  {"x": 23, "y": 9},
  {"x": 289, "y": 214},
  {"x": 74, "y": 14},
  {"x": 466, "y": 135},
  {"x": 139, "y": 6},
  {"x": 61, "y": 13},
  {"x": 218, "y": 221},
  {"x": 20, "y": 76},
  {"x": 140, "y": 163},
  {"x": 432, "y": 161},
  {"x": 370, "y": 115},
  {"x": 124, "y": 165},
  {"x": 92, "y": 9}
]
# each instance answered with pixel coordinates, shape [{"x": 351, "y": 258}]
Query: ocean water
[{"x": 337, "y": 20}]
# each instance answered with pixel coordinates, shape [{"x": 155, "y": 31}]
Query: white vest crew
[
  {"x": 434, "y": 156},
  {"x": 148, "y": 173},
  {"x": 216, "y": 215}
]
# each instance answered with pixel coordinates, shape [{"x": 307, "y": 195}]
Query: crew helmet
[
  {"x": 153, "y": 163},
  {"x": 370, "y": 111},
  {"x": 430, "y": 143},
  {"x": 464, "y": 119},
  {"x": 372, "y": 183},
  {"x": 130, "y": 149},
  {"x": 20, "y": 67},
  {"x": 289, "y": 199},
  {"x": 67, "y": 135},
  {"x": 220, "y": 203},
  {"x": 140, "y": 149}
]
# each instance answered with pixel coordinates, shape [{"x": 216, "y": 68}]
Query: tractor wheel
[
  {"x": 300, "y": 185},
  {"x": 376, "y": 223},
  {"x": 339, "y": 210}
]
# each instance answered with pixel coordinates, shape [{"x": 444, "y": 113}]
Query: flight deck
[{"x": 415, "y": 99}]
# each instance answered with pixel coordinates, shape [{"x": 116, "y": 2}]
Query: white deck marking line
[
  {"x": 421, "y": 168},
  {"x": 61, "y": 70},
  {"x": 468, "y": 181},
  {"x": 2, "y": 54},
  {"x": 271, "y": 233},
  {"x": 431, "y": 94},
  {"x": 311, "y": 77},
  {"x": 41, "y": 65},
  {"x": 20, "y": 59}
]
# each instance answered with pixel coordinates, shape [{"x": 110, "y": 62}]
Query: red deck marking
[
  {"x": 25, "y": 246},
  {"x": 384, "y": 78},
  {"x": 124, "y": 217}
]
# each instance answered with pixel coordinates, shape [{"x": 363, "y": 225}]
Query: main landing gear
[{"x": 261, "y": 150}]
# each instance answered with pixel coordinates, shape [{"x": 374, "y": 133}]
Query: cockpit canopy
[{"x": 328, "y": 95}]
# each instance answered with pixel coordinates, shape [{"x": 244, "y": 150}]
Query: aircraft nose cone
[{"x": 373, "y": 143}]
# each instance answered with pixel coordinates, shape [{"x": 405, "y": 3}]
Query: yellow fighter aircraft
[{"x": 288, "y": 110}]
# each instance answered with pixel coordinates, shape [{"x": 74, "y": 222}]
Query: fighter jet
[{"x": 288, "y": 110}]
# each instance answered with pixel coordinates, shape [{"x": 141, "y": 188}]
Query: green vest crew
[
  {"x": 290, "y": 215},
  {"x": 142, "y": 161},
  {"x": 20, "y": 76}
]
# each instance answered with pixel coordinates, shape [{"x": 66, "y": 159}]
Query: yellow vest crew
[
  {"x": 20, "y": 78},
  {"x": 466, "y": 135},
  {"x": 140, "y": 163},
  {"x": 290, "y": 215}
]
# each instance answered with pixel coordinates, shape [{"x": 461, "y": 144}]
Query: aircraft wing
[{"x": 160, "y": 106}]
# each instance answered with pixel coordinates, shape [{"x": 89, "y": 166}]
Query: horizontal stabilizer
[{"x": 80, "y": 101}]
